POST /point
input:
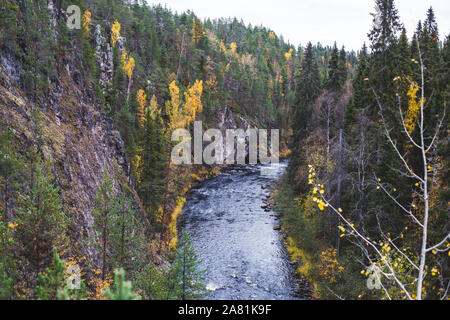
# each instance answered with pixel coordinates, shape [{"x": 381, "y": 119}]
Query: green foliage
[
  {"x": 41, "y": 221},
  {"x": 119, "y": 233},
  {"x": 122, "y": 289},
  {"x": 6, "y": 284},
  {"x": 126, "y": 236},
  {"x": 105, "y": 213},
  {"x": 347, "y": 169},
  {"x": 153, "y": 155},
  {"x": 52, "y": 281},
  {"x": 152, "y": 281},
  {"x": 308, "y": 89},
  {"x": 186, "y": 280}
]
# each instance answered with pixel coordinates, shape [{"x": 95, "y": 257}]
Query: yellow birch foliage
[
  {"x": 288, "y": 55},
  {"x": 128, "y": 64},
  {"x": 138, "y": 166},
  {"x": 173, "y": 222},
  {"x": 193, "y": 102},
  {"x": 233, "y": 47},
  {"x": 173, "y": 107},
  {"x": 181, "y": 116},
  {"x": 87, "y": 18},
  {"x": 211, "y": 79},
  {"x": 197, "y": 30},
  {"x": 271, "y": 35},
  {"x": 413, "y": 108},
  {"x": 141, "y": 98},
  {"x": 329, "y": 267},
  {"x": 153, "y": 109},
  {"x": 115, "y": 32},
  {"x": 99, "y": 286}
]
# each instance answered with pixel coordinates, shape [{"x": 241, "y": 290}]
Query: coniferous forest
[{"x": 93, "y": 207}]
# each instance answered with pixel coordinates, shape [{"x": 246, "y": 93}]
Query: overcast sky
[{"x": 324, "y": 21}]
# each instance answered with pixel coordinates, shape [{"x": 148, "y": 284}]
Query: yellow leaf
[{"x": 115, "y": 32}]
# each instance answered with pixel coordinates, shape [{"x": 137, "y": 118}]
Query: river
[{"x": 234, "y": 236}]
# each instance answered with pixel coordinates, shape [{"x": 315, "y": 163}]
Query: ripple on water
[{"x": 234, "y": 238}]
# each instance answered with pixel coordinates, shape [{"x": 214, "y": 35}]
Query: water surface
[{"x": 242, "y": 254}]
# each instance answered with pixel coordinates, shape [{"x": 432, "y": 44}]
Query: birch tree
[{"x": 390, "y": 262}]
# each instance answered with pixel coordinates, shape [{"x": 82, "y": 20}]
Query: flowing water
[{"x": 234, "y": 237}]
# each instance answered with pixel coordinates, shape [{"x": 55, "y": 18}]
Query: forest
[{"x": 90, "y": 201}]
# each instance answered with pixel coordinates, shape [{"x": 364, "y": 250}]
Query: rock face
[
  {"x": 226, "y": 122},
  {"x": 76, "y": 135},
  {"x": 104, "y": 57}
]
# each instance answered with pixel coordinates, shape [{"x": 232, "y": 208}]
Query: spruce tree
[
  {"x": 333, "y": 83},
  {"x": 153, "y": 163},
  {"x": 308, "y": 89},
  {"x": 383, "y": 37},
  {"x": 361, "y": 98},
  {"x": 342, "y": 67},
  {"x": 429, "y": 48}
]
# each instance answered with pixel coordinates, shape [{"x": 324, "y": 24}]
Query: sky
[{"x": 324, "y": 21}]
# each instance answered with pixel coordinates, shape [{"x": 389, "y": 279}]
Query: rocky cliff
[{"x": 77, "y": 137}]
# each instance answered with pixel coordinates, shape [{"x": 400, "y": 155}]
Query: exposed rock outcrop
[
  {"x": 76, "y": 135},
  {"x": 104, "y": 57}
]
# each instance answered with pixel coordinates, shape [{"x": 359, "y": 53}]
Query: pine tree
[
  {"x": 38, "y": 39},
  {"x": 187, "y": 279},
  {"x": 8, "y": 262},
  {"x": 41, "y": 221},
  {"x": 52, "y": 281},
  {"x": 105, "y": 215},
  {"x": 8, "y": 31},
  {"x": 126, "y": 235},
  {"x": 10, "y": 167},
  {"x": 151, "y": 281},
  {"x": 122, "y": 290}
]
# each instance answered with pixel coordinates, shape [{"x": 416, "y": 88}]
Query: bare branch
[{"x": 436, "y": 247}]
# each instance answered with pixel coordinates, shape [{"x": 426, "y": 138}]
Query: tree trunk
[{"x": 339, "y": 180}]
